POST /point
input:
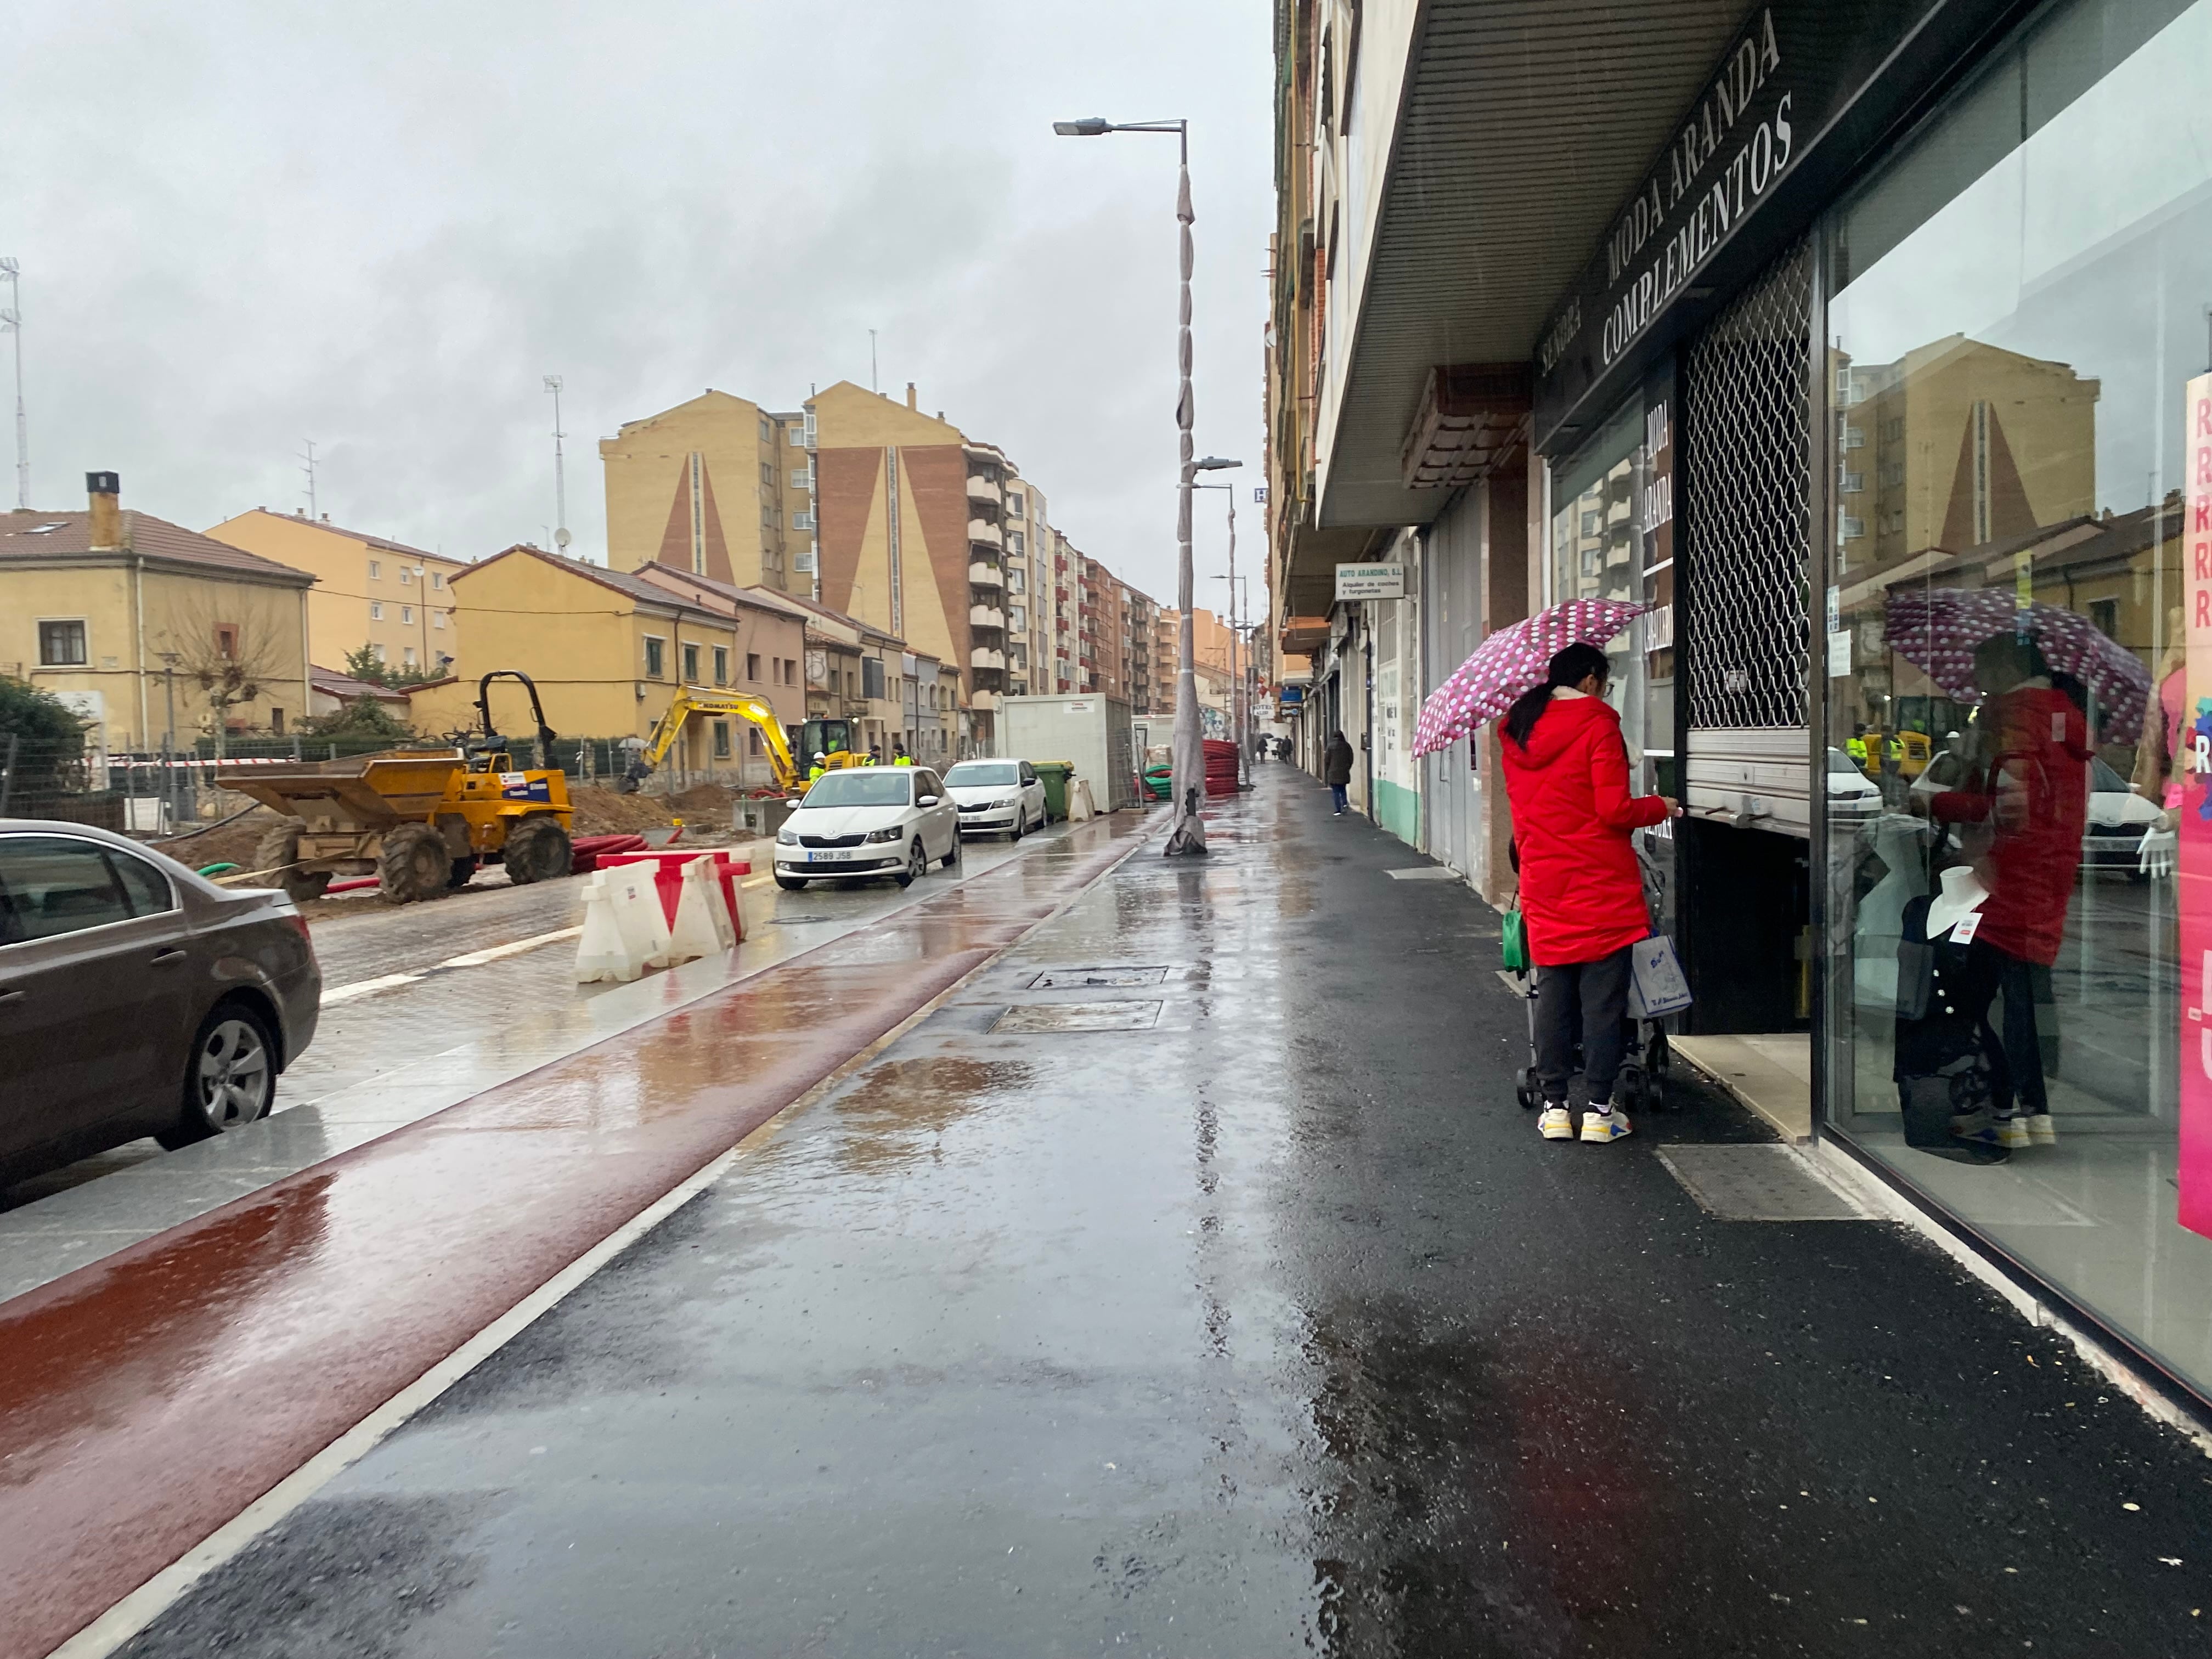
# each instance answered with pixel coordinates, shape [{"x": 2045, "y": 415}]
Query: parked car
[
  {"x": 2118, "y": 816},
  {"x": 1851, "y": 794},
  {"x": 137, "y": 998},
  {"x": 997, "y": 797},
  {"x": 868, "y": 821}
]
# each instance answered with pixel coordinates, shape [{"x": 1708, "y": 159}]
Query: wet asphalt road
[{"x": 1267, "y": 1325}]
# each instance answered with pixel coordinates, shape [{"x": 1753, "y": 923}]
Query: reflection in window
[{"x": 2018, "y": 303}]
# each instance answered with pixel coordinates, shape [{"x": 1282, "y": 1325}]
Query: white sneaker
[
  {"x": 1602, "y": 1126},
  {"x": 1556, "y": 1124},
  {"x": 2041, "y": 1131}
]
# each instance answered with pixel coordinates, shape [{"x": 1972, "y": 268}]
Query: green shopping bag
[{"x": 1516, "y": 936}]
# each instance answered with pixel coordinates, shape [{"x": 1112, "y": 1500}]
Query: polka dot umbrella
[
  {"x": 1937, "y": 628},
  {"x": 1509, "y": 662}
]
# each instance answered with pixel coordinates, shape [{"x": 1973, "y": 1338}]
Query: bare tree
[{"x": 230, "y": 644}]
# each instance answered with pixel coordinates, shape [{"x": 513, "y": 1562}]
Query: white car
[
  {"x": 1851, "y": 794},
  {"x": 868, "y": 821},
  {"x": 997, "y": 797}
]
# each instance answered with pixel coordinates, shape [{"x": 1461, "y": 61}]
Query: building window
[
  {"x": 872, "y": 676},
  {"x": 801, "y": 478},
  {"x": 767, "y": 432},
  {"x": 721, "y": 739},
  {"x": 226, "y": 641},
  {"x": 277, "y": 720},
  {"x": 768, "y": 475},
  {"x": 722, "y": 664},
  {"x": 61, "y": 644},
  {"x": 407, "y": 613},
  {"x": 377, "y": 652},
  {"x": 375, "y": 569},
  {"x": 437, "y": 619},
  {"x": 407, "y": 655},
  {"x": 655, "y": 659},
  {"x": 2105, "y": 618},
  {"x": 802, "y": 519},
  {"x": 1014, "y": 505},
  {"x": 691, "y": 665},
  {"x": 752, "y": 664},
  {"x": 1016, "y": 543},
  {"x": 406, "y": 576},
  {"x": 795, "y": 434},
  {"x": 753, "y": 742},
  {"x": 376, "y": 611},
  {"x": 437, "y": 579}
]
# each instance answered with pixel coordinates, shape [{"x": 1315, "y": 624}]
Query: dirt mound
[
  {"x": 231, "y": 844},
  {"x": 605, "y": 812}
]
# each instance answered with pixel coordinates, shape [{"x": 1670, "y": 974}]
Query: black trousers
[{"x": 1597, "y": 992}]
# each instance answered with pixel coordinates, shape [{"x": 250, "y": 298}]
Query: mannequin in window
[{"x": 1950, "y": 1067}]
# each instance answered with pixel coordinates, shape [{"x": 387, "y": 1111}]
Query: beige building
[
  {"x": 397, "y": 600},
  {"x": 154, "y": 632},
  {"x": 718, "y": 487}
]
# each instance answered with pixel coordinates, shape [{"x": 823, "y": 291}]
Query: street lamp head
[
  {"x": 1212, "y": 464},
  {"x": 1090, "y": 126},
  {"x": 9, "y": 267}
]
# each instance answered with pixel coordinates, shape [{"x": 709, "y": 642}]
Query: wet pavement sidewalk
[{"x": 1188, "y": 1282}]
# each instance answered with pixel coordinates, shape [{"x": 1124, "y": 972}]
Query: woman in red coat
[{"x": 1582, "y": 895}]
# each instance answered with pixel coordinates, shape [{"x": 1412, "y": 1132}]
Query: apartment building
[
  {"x": 720, "y": 487},
  {"x": 369, "y": 590}
]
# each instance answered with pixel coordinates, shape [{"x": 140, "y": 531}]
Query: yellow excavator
[{"x": 689, "y": 700}]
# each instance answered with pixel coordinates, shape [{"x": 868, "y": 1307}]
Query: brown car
[{"x": 137, "y": 998}]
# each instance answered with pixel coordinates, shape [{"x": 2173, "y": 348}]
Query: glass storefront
[{"x": 2017, "y": 309}]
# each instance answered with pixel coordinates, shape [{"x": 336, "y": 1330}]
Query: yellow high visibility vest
[{"x": 903, "y": 760}]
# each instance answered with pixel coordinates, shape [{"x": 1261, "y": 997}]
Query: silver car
[{"x": 137, "y": 998}]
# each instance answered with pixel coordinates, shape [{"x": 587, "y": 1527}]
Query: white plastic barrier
[
  {"x": 625, "y": 931},
  {"x": 1080, "y": 807},
  {"x": 701, "y": 925}
]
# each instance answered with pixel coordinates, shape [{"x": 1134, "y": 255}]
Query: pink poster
[{"x": 2194, "y": 772}]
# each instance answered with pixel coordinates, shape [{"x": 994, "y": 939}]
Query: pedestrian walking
[
  {"x": 1336, "y": 769},
  {"x": 1581, "y": 894}
]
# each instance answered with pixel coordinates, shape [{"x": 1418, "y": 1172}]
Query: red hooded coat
[{"x": 1582, "y": 895}]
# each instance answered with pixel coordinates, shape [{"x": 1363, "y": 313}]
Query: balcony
[
  {"x": 985, "y": 534},
  {"x": 983, "y": 701},
  {"x": 983, "y": 489},
  {"x": 986, "y": 616},
  {"x": 984, "y": 656},
  {"x": 983, "y": 574}
]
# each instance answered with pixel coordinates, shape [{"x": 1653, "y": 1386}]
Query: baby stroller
[{"x": 1645, "y": 1058}]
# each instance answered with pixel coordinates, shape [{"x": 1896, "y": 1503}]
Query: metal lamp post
[
  {"x": 11, "y": 322},
  {"x": 1239, "y": 731},
  {"x": 1188, "y": 784}
]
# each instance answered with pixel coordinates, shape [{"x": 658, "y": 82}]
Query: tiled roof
[
  {"x": 335, "y": 685},
  {"x": 32, "y": 537},
  {"x": 620, "y": 581}
]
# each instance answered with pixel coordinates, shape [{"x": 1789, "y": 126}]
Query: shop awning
[{"x": 1525, "y": 123}]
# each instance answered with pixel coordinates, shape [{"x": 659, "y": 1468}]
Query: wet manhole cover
[
  {"x": 1078, "y": 979},
  {"x": 1757, "y": 1183},
  {"x": 1080, "y": 1016}
]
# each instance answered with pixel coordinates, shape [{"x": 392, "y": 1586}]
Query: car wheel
[
  {"x": 917, "y": 865},
  {"x": 1015, "y": 833},
  {"x": 230, "y": 1076},
  {"x": 791, "y": 883},
  {"x": 952, "y": 854}
]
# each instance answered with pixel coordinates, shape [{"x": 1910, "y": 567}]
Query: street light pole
[
  {"x": 1189, "y": 775},
  {"x": 560, "y": 474}
]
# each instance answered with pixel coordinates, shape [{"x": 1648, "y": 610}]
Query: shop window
[{"x": 2012, "y": 985}]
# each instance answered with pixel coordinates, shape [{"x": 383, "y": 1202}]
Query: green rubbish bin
[{"x": 1054, "y": 774}]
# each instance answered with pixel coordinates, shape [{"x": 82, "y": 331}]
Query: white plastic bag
[{"x": 1655, "y": 984}]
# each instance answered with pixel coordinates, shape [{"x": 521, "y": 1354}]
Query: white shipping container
[{"x": 1093, "y": 732}]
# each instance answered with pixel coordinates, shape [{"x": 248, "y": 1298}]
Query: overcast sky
[{"x": 245, "y": 225}]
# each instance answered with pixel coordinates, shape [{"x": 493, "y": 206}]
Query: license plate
[{"x": 835, "y": 855}]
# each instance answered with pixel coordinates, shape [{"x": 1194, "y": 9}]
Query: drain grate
[
  {"x": 1080, "y": 1016},
  {"x": 1423, "y": 872},
  {"x": 1080, "y": 979},
  {"x": 1760, "y": 1182}
]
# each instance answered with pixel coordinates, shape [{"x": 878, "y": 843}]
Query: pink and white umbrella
[
  {"x": 1512, "y": 661},
  {"x": 1937, "y": 629}
]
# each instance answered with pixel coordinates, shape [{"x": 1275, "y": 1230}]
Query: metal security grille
[{"x": 1747, "y": 494}]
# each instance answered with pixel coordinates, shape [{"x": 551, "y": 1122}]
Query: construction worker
[
  {"x": 1856, "y": 748},
  {"x": 821, "y": 765},
  {"x": 899, "y": 757}
]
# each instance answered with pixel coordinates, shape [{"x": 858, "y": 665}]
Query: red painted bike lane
[{"x": 148, "y": 1398}]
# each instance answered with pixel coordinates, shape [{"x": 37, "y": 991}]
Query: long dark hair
[{"x": 1571, "y": 667}]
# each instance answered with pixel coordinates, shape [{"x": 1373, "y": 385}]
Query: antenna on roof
[
  {"x": 11, "y": 322},
  {"x": 872, "y": 387},
  {"x": 309, "y": 455},
  {"x": 559, "y": 472}
]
